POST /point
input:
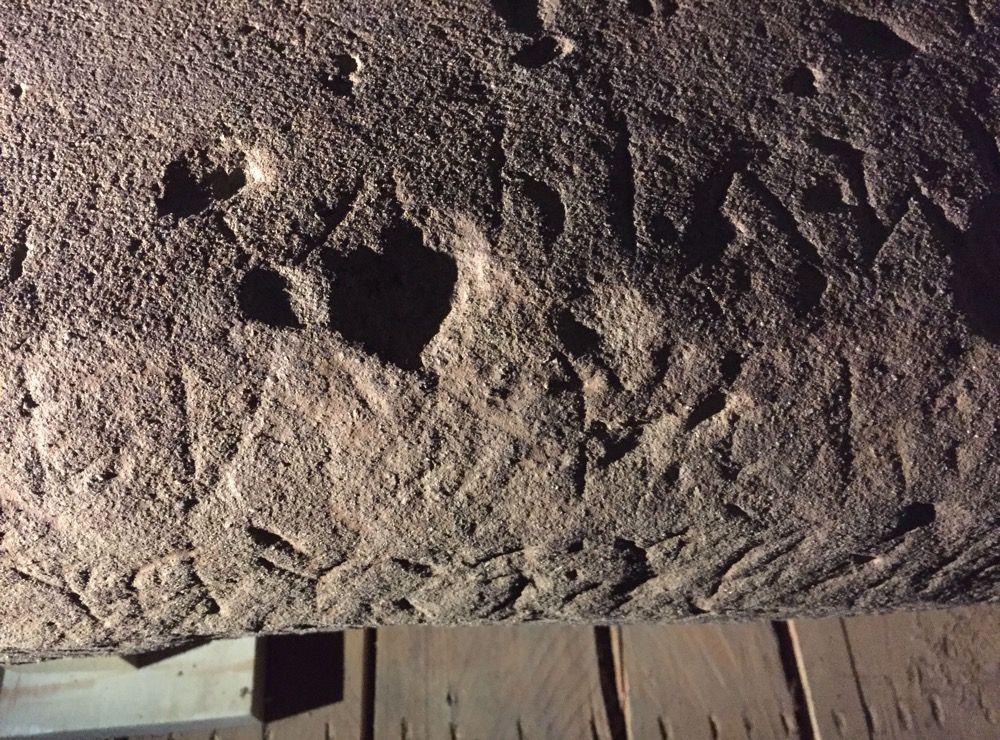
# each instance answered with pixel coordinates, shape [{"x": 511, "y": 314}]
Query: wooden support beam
[{"x": 210, "y": 687}]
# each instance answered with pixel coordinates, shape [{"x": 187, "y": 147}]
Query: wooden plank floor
[
  {"x": 706, "y": 681},
  {"x": 531, "y": 681},
  {"x": 932, "y": 674},
  {"x": 929, "y": 674}
]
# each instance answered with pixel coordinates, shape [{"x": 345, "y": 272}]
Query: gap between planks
[{"x": 807, "y": 690}]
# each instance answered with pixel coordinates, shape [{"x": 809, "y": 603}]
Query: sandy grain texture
[{"x": 322, "y": 313}]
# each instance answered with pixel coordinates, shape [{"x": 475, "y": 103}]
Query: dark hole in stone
[
  {"x": 224, "y": 185},
  {"x": 263, "y": 297},
  {"x": 810, "y": 287},
  {"x": 695, "y": 609},
  {"x": 822, "y": 197},
  {"x": 662, "y": 230},
  {"x": 801, "y": 83},
  {"x": 564, "y": 379},
  {"x": 403, "y": 605},
  {"x": 671, "y": 475},
  {"x": 731, "y": 366},
  {"x": 28, "y": 404},
  {"x": 732, "y": 511},
  {"x": 263, "y": 538},
  {"x": 538, "y": 53},
  {"x": 338, "y": 78},
  {"x": 735, "y": 275},
  {"x": 642, "y": 8},
  {"x": 710, "y": 231},
  {"x": 17, "y": 258},
  {"x": 392, "y": 303},
  {"x": 977, "y": 291},
  {"x": 706, "y": 408},
  {"x": 419, "y": 569},
  {"x": 615, "y": 447},
  {"x": 637, "y": 569},
  {"x": 187, "y": 191},
  {"x": 182, "y": 195},
  {"x": 519, "y": 15},
  {"x": 913, "y": 516},
  {"x": 551, "y": 211},
  {"x": 577, "y": 338},
  {"x": 627, "y": 546},
  {"x": 869, "y": 36}
]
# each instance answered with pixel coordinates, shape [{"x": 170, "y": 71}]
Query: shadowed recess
[
  {"x": 913, "y": 516},
  {"x": 392, "y": 302},
  {"x": 263, "y": 297},
  {"x": 710, "y": 231},
  {"x": 801, "y": 83},
  {"x": 538, "y": 53},
  {"x": 551, "y": 211},
  {"x": 18, "y": 255},
  {"x": 653, "y": 8},
  {"x": 337, "y": 78},
  {"x": 185, "y": 193},
  {"x": 610, "y": 694},
  {"x": 578, "y": 339},
  {"x": 868, "y": 36},
  {"x": 141, "y": 660},
  {"x": 975, "y": 259},
  {"x": 520, "y": 16},
  {"x": 642, "y": 8},
  {"x": 976, "y": 262},
  {"x": 182, "y": 195},
  {"x": 712, "y": 404},
  {"x": 299, "y": 673}
]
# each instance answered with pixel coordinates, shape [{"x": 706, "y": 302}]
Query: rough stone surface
[{"x": 322, "y": 313}]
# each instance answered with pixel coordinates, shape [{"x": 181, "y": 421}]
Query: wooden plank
[
  {"x": 504, "y": 681},
  {"x": 207, "y": 686},
  {"x": 343, "y": 720},
  {"x": 932, "y": 674},
  {"x": 705, "y": 681},
  {"x": 253, "y": 731},
  {"x": 833, "y": 694}
]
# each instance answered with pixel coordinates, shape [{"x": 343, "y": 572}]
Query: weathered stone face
[{"x": 319, "y": 314}]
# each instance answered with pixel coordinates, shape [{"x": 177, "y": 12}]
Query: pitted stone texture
[{"x": 319, "y": 314}]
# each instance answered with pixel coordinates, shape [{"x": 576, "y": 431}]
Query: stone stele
[{"x": 358, "y": 313}]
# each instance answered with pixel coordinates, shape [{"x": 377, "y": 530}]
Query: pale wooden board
[
  {"x": 210, "y": 685},
  {"x": 472, "y": 683},
  {"x": 688, "y": 682},
  {"x": 933, "y": 674},
  {"x": 250, "y": 732},
  {"x": 342, "y": 720}
]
